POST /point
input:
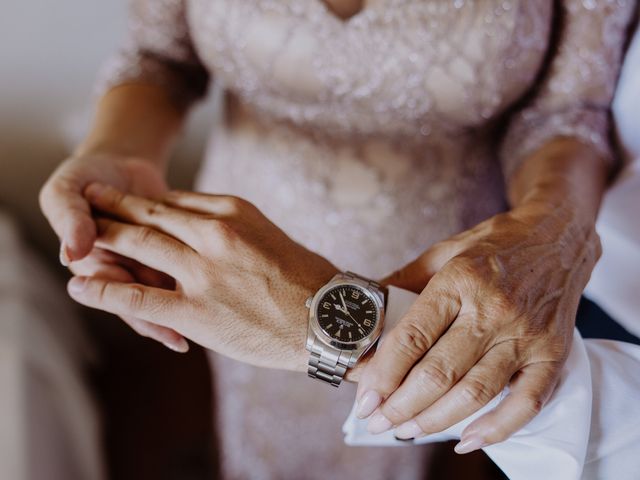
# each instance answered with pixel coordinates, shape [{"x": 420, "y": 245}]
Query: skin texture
[
  {"x": 240, "y": 281},
  {"x": 496, "y": 307}
]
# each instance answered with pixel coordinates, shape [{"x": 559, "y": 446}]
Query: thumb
[
  {"x": 415, "y": 275},
  {"x": 70, "y": 216}
]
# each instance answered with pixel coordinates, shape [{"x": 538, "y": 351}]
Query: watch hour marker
[
  {"x": 361, "y": 331},
  {"x": 338, "y": 333},
  {"x": 349, "y": 335},
  {"x": 328, "y": 326},
  {"x": 333, "y": 296},
  {"x": 365, "y": 301},
  {"x": 368, "y": 311}
]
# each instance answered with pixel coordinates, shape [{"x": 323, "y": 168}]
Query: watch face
[{"x": 346, "y": 313}]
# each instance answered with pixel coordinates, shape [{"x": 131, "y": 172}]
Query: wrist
[
  {"x": 564, "y": 225},
  {"x": 304, "y": 288},
  {"x": 111, "y": 149},
  {"x": 558, "y": 210}
]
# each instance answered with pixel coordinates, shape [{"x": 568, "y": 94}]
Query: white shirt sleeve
[{"x": 590, "y": 428}]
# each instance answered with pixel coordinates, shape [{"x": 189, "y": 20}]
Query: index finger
[
  {"x": 413, "y": 336},
  {"x": 69, "y": 214}
]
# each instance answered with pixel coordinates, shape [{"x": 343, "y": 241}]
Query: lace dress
[{"x": 367, "y": 140}]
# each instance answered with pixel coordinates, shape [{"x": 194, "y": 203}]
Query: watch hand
[
  {"x": 345, "y": 310},
  {"x": 344, "y": 305},
  {"x": 352, "y": 318}
]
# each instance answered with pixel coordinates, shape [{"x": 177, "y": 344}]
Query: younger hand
[{"x": 241, "y": 282}]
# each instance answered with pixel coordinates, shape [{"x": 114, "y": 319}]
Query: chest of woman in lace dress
[{"x": 397, "y": 67}]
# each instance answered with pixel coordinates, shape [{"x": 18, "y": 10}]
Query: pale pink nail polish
[
  {"x": 378, "y": 423},
  {"x": 469, "y": 444},
  {"x": 368, "y": 403},
  {"x": 409, "y": 429}
]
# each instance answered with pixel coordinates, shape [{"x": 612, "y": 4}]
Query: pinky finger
[
  {"x": 530, "y": 389},
  {"x": 168, "y": 337}
]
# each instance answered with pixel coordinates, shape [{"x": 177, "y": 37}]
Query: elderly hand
[
  {"x": 498, "y": 309},
  {"x": 69, "y": 213},
  {"x": 241, "y": 283}
]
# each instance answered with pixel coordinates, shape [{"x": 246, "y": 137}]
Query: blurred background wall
[{"x": 50, "y": 52}]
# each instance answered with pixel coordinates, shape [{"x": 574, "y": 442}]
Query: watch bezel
[{"x": 361, "y": 344}]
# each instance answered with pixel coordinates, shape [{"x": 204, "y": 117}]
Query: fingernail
[
  {"x": 409, "y": 429},
  {"x": 64, "y": 255},
  {"x": 94, "y": 191},
  {"x": 77, "y": 284},
  {"x": 181, "y": 346},
  {"x": 378, "y": 423},
  {"x": 368, "y": 403},
  {"x": 469, "y": 444}
]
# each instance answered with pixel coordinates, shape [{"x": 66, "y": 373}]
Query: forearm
[
  {"x": 136, "y": 120},
  {"x": 564, "y": 176}
]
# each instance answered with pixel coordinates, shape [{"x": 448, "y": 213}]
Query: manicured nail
[
  {"x": 77, "y": 284},
  {"x": 469, "y": 444},
  {"x": 368, "y": 403},
  {"x": 181, "y": 346},
  {"x": 64, "y": 255},
  {"x": 409, "y": 429},
  {"x": 378, "y": 423}
]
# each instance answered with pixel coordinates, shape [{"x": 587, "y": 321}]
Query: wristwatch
[{"x": 346, "y": 317}]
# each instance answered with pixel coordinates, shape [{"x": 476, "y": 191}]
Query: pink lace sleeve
[
  {"x": 575, "y": 90},
  {"x": 158, "y": 51}
]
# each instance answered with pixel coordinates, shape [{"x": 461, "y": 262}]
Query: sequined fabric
[{"x": 367, "y": 140}]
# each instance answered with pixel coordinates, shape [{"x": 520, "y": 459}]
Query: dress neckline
[{"x": 327, "y": 7}]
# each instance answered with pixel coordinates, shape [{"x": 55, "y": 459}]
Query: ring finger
[{"x": 436, "y": 373}]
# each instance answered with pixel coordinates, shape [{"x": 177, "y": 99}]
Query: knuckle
[
  {"x": 144, "y": 235},
  {"x": 222, "y": 233},
  {"x": 477, "y": 392},
  {"x": 432, "y": 376},
  {"x": 136, "y": 298},
  {"x": 155, "y": 208},
  {"x": 413, "y": 340},
  {"x": 102, "y": 291},
  {"x": 234, "y": 205},
  {"x": 395, "y": 412}
]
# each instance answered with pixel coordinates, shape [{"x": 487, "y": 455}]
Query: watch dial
[{"x": 346, "y": 313}]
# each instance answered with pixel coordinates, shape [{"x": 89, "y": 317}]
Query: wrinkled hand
[
  {"x": 241, "y": 282},
  {"x": 498, "y": 309},
  {"x": 69, "y": 213}
]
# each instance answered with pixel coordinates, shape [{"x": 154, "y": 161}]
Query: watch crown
[{"x": 307, "y": 302}]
